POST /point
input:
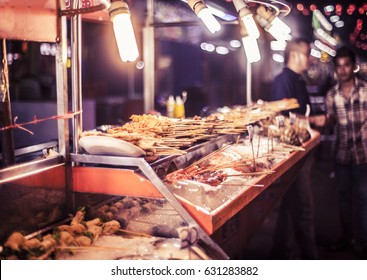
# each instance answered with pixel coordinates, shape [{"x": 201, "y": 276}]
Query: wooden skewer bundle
[{"x": 184, "y": 133}]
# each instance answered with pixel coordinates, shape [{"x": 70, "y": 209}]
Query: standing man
[
  {"x": 295, "y": 223},
  {"x": 346, "y": 107}
]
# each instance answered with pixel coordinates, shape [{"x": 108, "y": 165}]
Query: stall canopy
[{"x": 35, "y": 20}]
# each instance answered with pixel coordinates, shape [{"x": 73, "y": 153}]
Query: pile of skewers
[{"x": 161, "y": 136}]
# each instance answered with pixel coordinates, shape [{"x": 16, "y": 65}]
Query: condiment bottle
[
  {"x": 179, "y": 111},
  {"x": 170, "y": 106}
]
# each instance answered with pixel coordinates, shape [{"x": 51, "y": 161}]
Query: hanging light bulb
[
  {"x": 251, "y": 49},
  {"x": 123, "y": 29},
  {"x": 247, "y": 18},
  {"x": 272, "y": 24},
  {"x": 250, "y": 45},
  {"x": 203, "y": 12}
]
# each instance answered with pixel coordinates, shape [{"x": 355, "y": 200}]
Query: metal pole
[
  {"x": 149, "y": 58},
  {"x": 248, "y": 84},
  {"x": 62, "y": 87},
  {"x": 7, "y": 141},
  {"x": 76, "y": 79},
  {"x": 63, "y": 108}
]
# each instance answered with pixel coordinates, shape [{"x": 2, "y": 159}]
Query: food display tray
[{"x": 117, "y": 181}]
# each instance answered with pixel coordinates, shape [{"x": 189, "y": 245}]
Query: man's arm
[{"x": 328, "y": 119}]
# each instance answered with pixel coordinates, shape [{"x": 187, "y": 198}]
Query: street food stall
[{"x": 165, "y": 188}]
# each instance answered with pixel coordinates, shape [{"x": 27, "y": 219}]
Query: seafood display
[
  {"x": 218, "y": 177},
  {"x": 234, "y": 168},
  {"x": 103, "y": 233}
]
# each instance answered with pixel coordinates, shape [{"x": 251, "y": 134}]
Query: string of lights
[{"x": 337, "y": 14}]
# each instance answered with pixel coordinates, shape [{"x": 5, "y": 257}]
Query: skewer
[
  {"x": 198, "y": 252},
  {"x": 167, "y": 214},
  {"x": 207, "y": 156},
  {"x": 144, "y": 222},
  {"x": 250, "y": 131},
  {"x": 238, "y": 139},
  {"x": 268, "y": 142},
  {"x": 168, "y": 153},
  {"x": 90, "y": 248},
  {"x": 251, "y": 173},
  {"x": 134, "y": 233},
  {"x": 233, "y": 164},
  {"x": 275, "y": 154},
  {"x": 244, "y": 184},
  {"x": 294, "y": 147}
]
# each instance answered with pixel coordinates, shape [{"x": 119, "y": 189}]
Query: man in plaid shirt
[{"x": 346, "y": 106}]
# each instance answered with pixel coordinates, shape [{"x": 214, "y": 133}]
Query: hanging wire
[{"x": 36, "y": 121}]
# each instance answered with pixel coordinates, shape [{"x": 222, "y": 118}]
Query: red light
[
  {"x": 313, "y": 7},
  {"x": 338, "y": 8},
  {"x": 300, "y": 7},
  {"x": 306, "y": 12},
  {"x": 86, "y": 3},
  {"x": 24, "y": 47},
  {"x": 352, "y": 7},
  {"x": 361, "y": 10}
]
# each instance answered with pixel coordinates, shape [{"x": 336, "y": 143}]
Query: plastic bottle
[
  {"x": 179, "y": 111},
  {"x": 170, "y": 106}
]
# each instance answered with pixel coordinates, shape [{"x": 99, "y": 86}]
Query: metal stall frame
[
  {"x": 55, "y": 32},
  {"x": 64, "y": 157},
  {"x": 159, "y": 185},
  {"x": 76, "y": 159}
]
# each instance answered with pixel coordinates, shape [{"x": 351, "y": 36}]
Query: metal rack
[
  {"x": 150, "y": 172},
  {"x": 147, "y": 171}
]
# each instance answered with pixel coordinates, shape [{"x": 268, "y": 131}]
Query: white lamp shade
[
  {"x": 251, "y": 49},
  {"x": 281, "y": 25},
  {"x": 251, "y": 26},
  {"x": 125, "y": 37},
  {"x": 209, "y": 20}
]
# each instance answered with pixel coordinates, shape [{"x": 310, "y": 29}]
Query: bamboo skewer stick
[
  {"x": 207, "y": 156},
  {"x": 250, "y": 131},
  {"x": 294, "y": 147},
  {"x": 258, "y": 146},
  {"x": 251, "y": 173},
  {"x": 233, "y": 164},
  {"x": 90, "y": 248},
  {"x": 242, "y": 184},
  {"x": 134, "y": 233},
  {"x": 238, "y": 140}
]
